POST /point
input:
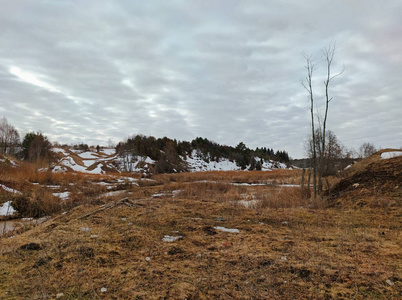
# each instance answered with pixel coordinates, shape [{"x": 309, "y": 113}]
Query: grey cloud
[{"x": 228, "y": 70}]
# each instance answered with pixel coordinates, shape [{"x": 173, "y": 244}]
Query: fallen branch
[{"x": 124, "y": 201}]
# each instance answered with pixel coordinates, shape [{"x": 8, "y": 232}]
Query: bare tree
[
  {"x": 335, "y": 152},
  {"x": 328, "y": 53},
  {"x": 9, "y": 138},
  {"x": 366, "y": 149},
  {"x": 308, "y": 85},
  {"x": 318, "y": 161}
]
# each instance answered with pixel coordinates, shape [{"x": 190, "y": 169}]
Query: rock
[
  {"x": 103, "y": 290},
  {"x": 175, "y": 250},
  {"x": 209, "y": 230},
  {"x": 389, "y": 282},
  {"x": 59, "y": 295},
  {"x": 148, "y": 259},
  {"x": 227, "y": 244}
]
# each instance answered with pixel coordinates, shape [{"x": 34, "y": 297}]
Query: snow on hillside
[
  {"x": 85, "y": 161},
  {"x": 107, "y": 159},
  {"x": 6, "y": 209},
  {"x": 134, "y": 163},
  {"x": 197, "y": 164},
  {"x": 386, "y": 155}
]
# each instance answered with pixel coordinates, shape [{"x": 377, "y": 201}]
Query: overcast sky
[{"x": 230, "y": 71}]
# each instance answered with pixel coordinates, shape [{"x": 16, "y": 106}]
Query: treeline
[{"x": 167, "y": 152}]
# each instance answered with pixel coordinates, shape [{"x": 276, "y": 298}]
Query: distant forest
[{"x": 167, "y": 152}]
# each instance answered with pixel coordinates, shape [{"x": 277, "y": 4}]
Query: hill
[
  {"x": 374, "y": 181},
  {"x": 107, "y": 160}
]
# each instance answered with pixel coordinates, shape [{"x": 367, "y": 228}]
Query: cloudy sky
[{"x": 230, "y": 71}]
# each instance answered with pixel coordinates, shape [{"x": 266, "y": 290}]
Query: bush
[{"x": 40, "y": 203}]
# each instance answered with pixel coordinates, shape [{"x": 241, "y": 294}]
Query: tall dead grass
[{"x": 278, "y": 176}]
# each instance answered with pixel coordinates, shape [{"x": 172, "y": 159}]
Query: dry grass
[{"x": 287, "y": 247}]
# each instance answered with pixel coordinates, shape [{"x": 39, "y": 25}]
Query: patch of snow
[
  {"x": 170, "y": 239},
  {"x": 197, "y": 163},
  {"x": 124, "y": 179},
  {"x": 227, "y": 229},
  {"x": 62, "y": 196},
  {"x": 175, "y": 192},
  {"x": 97, "y": 170},
  {"x": 60, "y": 150},
  {"x": 102, "y": 183},
  {"x": 114, "y": 193},
  {"x": 391, "y": 154},
  {"x": 109, "y": 151},
  {"x": 88, "y": 155},
  {"x": 6, "y": 209},
  {"x": 10, "y": 190},
  {"x": 59, "y": 169}
]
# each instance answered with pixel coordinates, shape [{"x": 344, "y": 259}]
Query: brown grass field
[{"x": 346, "y": 245}]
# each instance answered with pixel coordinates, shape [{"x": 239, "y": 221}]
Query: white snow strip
[
  {"x": 124, "y": 179},
  {"x": 51, "y": 186},
  {"x": 6, "y": 209},
  {"x": 10, "y": 190},
  {"x": 391, "y": 154},
  {"x": 170, "y": 239},
  {"x": 227, "y": 229}
]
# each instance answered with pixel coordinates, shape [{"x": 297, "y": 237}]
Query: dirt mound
[{"x": 373, "y": 179}]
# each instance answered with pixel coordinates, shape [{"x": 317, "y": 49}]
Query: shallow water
[{"x": 11, "y": 225}]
